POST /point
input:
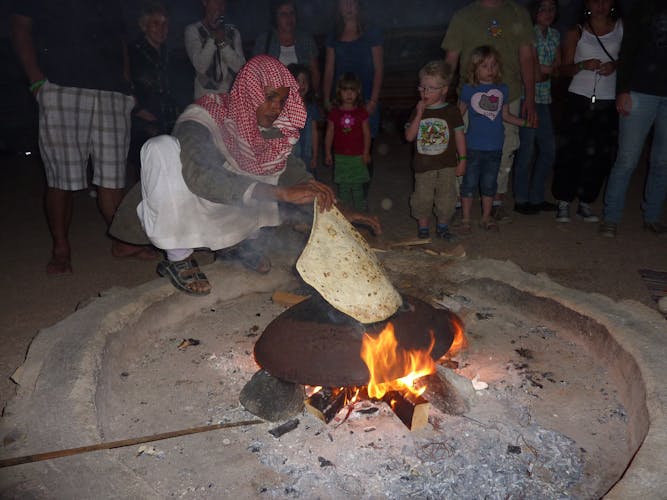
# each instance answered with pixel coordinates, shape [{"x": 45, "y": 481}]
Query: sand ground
[{"x": 571, "y": 254}]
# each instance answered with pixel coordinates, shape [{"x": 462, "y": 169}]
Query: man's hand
[
  {"x": 306, "y": 192},
  {"x": 624, "y": 103}
]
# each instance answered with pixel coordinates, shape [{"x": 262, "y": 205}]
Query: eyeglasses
[{"x": 428, "y": 90}]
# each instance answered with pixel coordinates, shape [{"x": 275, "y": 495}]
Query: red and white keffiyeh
[{"x": 236, "y": 115}]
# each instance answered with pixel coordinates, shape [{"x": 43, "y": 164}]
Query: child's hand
[
  {"x": 461, "y": 168},
  {"x": 366, "y": 158},
  {"x": 419, "y": 108},
  {"x": 328, "y": 161}
]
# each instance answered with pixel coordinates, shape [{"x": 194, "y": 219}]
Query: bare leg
[
  {"x": 487, "y": 204},
  {"x": 423, "y": 221},
  {"x": 466, "y": 208},
  {"x": 108, "y": 200},
  {"x": 58, "y": 204}
]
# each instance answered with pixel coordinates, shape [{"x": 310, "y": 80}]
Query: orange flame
[
  {"x": 388, "y": 365},
  {"x": 460, "y": 342}
]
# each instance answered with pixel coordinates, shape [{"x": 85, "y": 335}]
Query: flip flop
[
  {"x": 183, "y": 274},
  {"x": 136, "y": 253},
  {"x": 59, "y": 266}
]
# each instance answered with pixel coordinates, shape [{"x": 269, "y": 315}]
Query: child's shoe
[
  {"x": 585, "y": 212},
  {"x": 423, "y": 233},
  {"x": 442, "y": 230},
  {"x": 563, "y": 212}
]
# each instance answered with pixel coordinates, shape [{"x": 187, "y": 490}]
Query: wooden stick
[
  {"x": 325, "y": 405},
  {"x": 412, "y": 410},
  {"x": 287, "y": 299},
  {"x": 8, "y": 462},
  {"x": 410, "y": 243}
]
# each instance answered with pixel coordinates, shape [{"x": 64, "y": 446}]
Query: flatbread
[{"x": 338, "y": 262}]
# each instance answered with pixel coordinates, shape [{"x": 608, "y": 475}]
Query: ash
[{"x": 456, "y": 457}]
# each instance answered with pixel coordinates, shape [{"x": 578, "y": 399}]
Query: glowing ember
[{"x": 391, "y": 368}]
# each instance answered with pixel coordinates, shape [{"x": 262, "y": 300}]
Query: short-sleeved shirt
[
  {"x": 485, "y": 115},
  {"x": 547, "y": 48},
  {"x": 356, "y": 57},
  {"x": 435, "y": 146},
  {"x": 348, "y": 130},
  {"x": 506, "y": 28},
  {"x": 305, "y": 48},
  {"x": 79, "y": 43}
]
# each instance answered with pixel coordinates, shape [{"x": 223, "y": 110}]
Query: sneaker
[
  {"x": 423, "y": 233},
  {"x": 443, "y": 232},
  {"x": 585, "y": 212},
  {"x": 526, "y": 208},
  {"x": 608, "y": 229},
  {"x": 563, "y": 212},
  {"x": 499, "y": 214},
  {"x": 657, "y": 228}
]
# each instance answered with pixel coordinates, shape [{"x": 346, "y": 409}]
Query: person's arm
[
  {"x": 463, "y": 108},
  {"x": 329, "y": 62},
  {"x": 452, "y": 58},
  {"x": 366, "y": 129},
  {"x": 200, "y": 55},
  {"x": 514, "y": 120},
  {"x": 232, "y": 54},
  {"x": 460, "y": 140},
  {"x": 22, "y": 40},
  {"x": 527, "y": 62},
  {"x": 412, "y": 128},
  {"x": 315, "y": 151},
  {"x": 328, "y": 143},
  {"x": 378, "y": 74},
  {"x": 315, "y": 74}
]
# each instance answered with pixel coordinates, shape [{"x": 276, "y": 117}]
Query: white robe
[{"x": 175, "y": 218}]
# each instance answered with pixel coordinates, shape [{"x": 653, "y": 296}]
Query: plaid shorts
[{"x": 77, "y": 123}]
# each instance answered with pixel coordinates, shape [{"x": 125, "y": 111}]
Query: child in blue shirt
[{"x": 486, "y": 100}]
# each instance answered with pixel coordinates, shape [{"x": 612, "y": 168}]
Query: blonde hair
[
  {"x": 349, "y": 81},
  {"x": 478, "y": 56},
  {"x": 438, "y": 69}
]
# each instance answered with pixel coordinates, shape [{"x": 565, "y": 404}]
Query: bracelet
[
  {"x": 35, "y": 85},
  {"x": 580, "y": 65},
  {"x": 462, "y": 157}
]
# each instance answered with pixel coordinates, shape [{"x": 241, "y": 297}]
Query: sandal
[
  {"x": 464, "y": 227},
  {"x": 184, "y": 275},
  {"x": 248, "y": 255},
  {"x": 488, "y": 224}
]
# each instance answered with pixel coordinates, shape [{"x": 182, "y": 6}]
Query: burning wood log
[
  {"x": 326, "y": 403},
  {"x": 412, "y": 410}
]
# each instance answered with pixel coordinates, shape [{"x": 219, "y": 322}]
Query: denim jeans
[
  {"x": 527, "y": 189},
  {"x": 481, "y": 173},
  {"x": 646, "y": 110}
]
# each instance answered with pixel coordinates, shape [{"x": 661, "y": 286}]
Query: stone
[{"x": 271, "y": 398}]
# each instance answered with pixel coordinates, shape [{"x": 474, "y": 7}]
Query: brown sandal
[{"x": 183, "y": 274}]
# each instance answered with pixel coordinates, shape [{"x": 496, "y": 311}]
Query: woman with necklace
[
  {"x": 287, "y": 43},
  {"x": 590, "y": 56}
]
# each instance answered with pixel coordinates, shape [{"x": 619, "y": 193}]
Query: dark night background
[{"x": 413, "y": 32}]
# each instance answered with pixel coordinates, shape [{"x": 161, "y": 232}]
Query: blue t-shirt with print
[{"x": 485, "y": 115}]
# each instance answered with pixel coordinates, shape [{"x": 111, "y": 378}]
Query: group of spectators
[{"x": 99, "y": 99}]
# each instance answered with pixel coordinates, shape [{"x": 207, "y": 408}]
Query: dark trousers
[{"x": 589, "y": 137}]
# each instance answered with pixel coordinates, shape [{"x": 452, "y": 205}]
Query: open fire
[{"x": 394, "y": 375}]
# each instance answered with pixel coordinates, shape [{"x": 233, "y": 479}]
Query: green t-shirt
[{"x": 505, "y": 28}]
